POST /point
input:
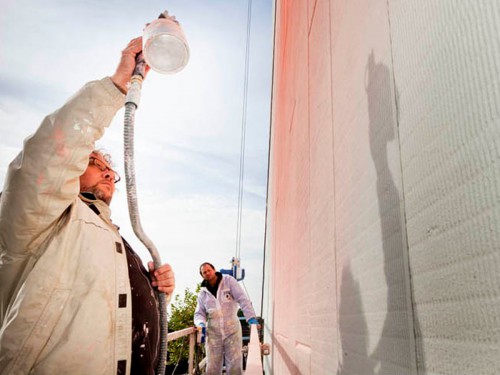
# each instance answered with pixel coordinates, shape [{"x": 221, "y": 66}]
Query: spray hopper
[{"x": 164, "y": 45}]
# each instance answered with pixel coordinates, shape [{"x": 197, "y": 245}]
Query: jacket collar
[
  {"x": 219, "y": 278},
  {"x": 98, "y": 206},
  {"x": 213, "y": 289}
]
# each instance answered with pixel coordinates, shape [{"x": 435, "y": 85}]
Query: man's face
[
  {"x": 208, "y": 273},
  {"x": 98, "y": 179}
]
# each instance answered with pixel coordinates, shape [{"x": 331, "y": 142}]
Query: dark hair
[{"x": 206, "y": 264}]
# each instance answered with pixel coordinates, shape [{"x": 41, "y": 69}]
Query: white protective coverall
[
  {"x": 65, "y": 305},
  {"x": 223, "y": 326}
]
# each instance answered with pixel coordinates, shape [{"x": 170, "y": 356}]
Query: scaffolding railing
[
  {"x": 191, "y": 331},
  {"x": 254, "y": 358}
]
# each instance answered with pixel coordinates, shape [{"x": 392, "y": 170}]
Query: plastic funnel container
[{"x": 164, "y": 45}]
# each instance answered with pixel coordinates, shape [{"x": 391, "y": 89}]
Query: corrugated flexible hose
[{"x": 131, "y": 104}]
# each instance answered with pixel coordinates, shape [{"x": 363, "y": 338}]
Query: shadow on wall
[
  {"x": 394, "y": 348},
  {"x": 353, "y": 330},
  {"x": 287, "y": 360}
]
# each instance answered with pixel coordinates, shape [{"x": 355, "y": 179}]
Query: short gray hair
[{"x": 105, "y": 155}]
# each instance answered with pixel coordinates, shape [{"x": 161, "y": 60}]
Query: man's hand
[
  {"x": 255, "y": 321},
  {"x": 125, "y": 68},
  {"x": 202, "y": 332},
  {"x": 163, "y": 278}
]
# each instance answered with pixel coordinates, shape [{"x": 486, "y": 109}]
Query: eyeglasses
[{"x": 103, "y": 167}]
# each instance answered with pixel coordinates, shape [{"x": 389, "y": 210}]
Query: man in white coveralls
[{"x": 216, "y": 310}]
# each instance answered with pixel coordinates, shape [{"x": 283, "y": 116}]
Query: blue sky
[{"x": 188, "y": 127}]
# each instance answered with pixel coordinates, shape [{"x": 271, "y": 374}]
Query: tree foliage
[{"x": 181, "y": 317}]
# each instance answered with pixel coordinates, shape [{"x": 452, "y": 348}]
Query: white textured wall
[
  {"x": 383, "y": 232},
  {"x": 375, "y": 315},
  {"x": 447, "y": 71}
]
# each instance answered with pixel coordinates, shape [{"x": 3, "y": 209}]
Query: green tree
[{"x": 181, "y": 317}]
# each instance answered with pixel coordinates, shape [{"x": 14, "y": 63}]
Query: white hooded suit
[{"x": 219, "y": 315}]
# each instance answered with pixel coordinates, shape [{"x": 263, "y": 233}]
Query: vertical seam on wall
[
  {"x": 339, "y": 352},
  {"x": 310, "y": 20},
  {"x": 410, "y": 287},
  {"x": 309, "y": 148}
]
